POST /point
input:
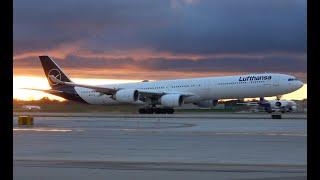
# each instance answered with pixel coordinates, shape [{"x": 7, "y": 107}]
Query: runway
[{"x": 163, "y": 147}]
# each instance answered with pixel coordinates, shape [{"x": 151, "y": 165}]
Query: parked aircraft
[{"x": 274, "y": 105}]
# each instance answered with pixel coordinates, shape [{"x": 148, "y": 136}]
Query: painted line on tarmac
[{"x": 43, "y": 129}]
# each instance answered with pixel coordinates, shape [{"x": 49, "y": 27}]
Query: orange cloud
[
  {"x": 128, "y": 73},
  {"x": 140, "y": 70},
  {"x": 63, "y": 50},
  {"x": 60, "y": 51},
  {"x": 143, "y": 54}
]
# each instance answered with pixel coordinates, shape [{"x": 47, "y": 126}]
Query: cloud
[
  {"x": 152, "y": 64},
  {"x": 164, "y": 35},
  {"x": 205, "y": 27},
  {"x": 181, "y": 3}
]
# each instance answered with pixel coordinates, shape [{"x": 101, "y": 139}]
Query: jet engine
[
  {"x": 278, "y": 104},
  {"x": 171, "y": 100},
  {"x": 127, "y": 95},
  {"x": 207, "y": 103}
]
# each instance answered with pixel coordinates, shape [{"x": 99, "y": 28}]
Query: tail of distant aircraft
[
  {"x": 265, "y": 104},
  {"x": 262, "y": 100},
  {"x": 52, "y": 69}
]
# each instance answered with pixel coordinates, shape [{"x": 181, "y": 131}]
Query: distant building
[{"x": 302, "y": 105}]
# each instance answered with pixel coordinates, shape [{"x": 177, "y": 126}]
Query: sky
[{"x": 161, "y": 39}]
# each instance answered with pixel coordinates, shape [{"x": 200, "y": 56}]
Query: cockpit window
[{"x": 292, "y": 79}]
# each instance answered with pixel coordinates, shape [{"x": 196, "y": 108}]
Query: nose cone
[{"x": 298, "y": 84}]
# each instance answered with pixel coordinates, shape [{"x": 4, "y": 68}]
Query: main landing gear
[{"x": 154, "y": 110}]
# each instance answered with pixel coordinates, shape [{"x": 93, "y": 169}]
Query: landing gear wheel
[
  {"x": 142, "y": 111},
  {"x": 156, "y": 111},
  {"x": 163, "y": 111},
  {"x": 169, "y": 111},
  {"x": 149, "y": 110},
  {"x": 145, "y": 111}
]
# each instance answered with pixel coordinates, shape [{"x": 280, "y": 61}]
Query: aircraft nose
[{"x": 300, "y": 84}]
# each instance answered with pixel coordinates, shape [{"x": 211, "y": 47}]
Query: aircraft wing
[
  {"x": 109, "y": 91},
  {"x": 104, "y": 90}
]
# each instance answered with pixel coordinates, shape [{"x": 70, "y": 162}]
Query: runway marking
[
  {"x": 165, "y": 166},
  {"x": 42, "y": 130}
]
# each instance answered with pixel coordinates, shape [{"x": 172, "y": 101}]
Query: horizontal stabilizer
[{"x": 44, "y": 90}]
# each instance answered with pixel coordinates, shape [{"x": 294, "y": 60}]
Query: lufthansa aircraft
[{"x": 162, "y": 96}]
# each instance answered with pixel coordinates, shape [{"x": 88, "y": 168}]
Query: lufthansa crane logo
[{"x": 56, "y": 73}]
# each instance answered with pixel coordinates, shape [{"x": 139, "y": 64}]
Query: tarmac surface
[{"x": 179, "y": 146}]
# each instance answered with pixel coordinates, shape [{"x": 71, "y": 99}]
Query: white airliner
[{"x": 162, "y": 96}]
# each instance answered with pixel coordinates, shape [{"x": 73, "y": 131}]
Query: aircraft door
[{"x": 205, "y": 87}]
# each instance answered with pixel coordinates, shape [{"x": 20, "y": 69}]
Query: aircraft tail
[
  {"x": 52, "y": 69},
  {"x": 59, "y": 89},
  {"x": 262, "y": 100},
  {"x": 265, "y": 104}
]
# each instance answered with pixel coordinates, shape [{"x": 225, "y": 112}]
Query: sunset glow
[{"x": 20, "y": 82}]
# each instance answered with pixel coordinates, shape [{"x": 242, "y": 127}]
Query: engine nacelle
[
  {"x": 207, "y": 103},
  {"x": 278, "y": 104},
  {"x": 127, "y": 95},
  {"x": 171, "y": 100}
]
